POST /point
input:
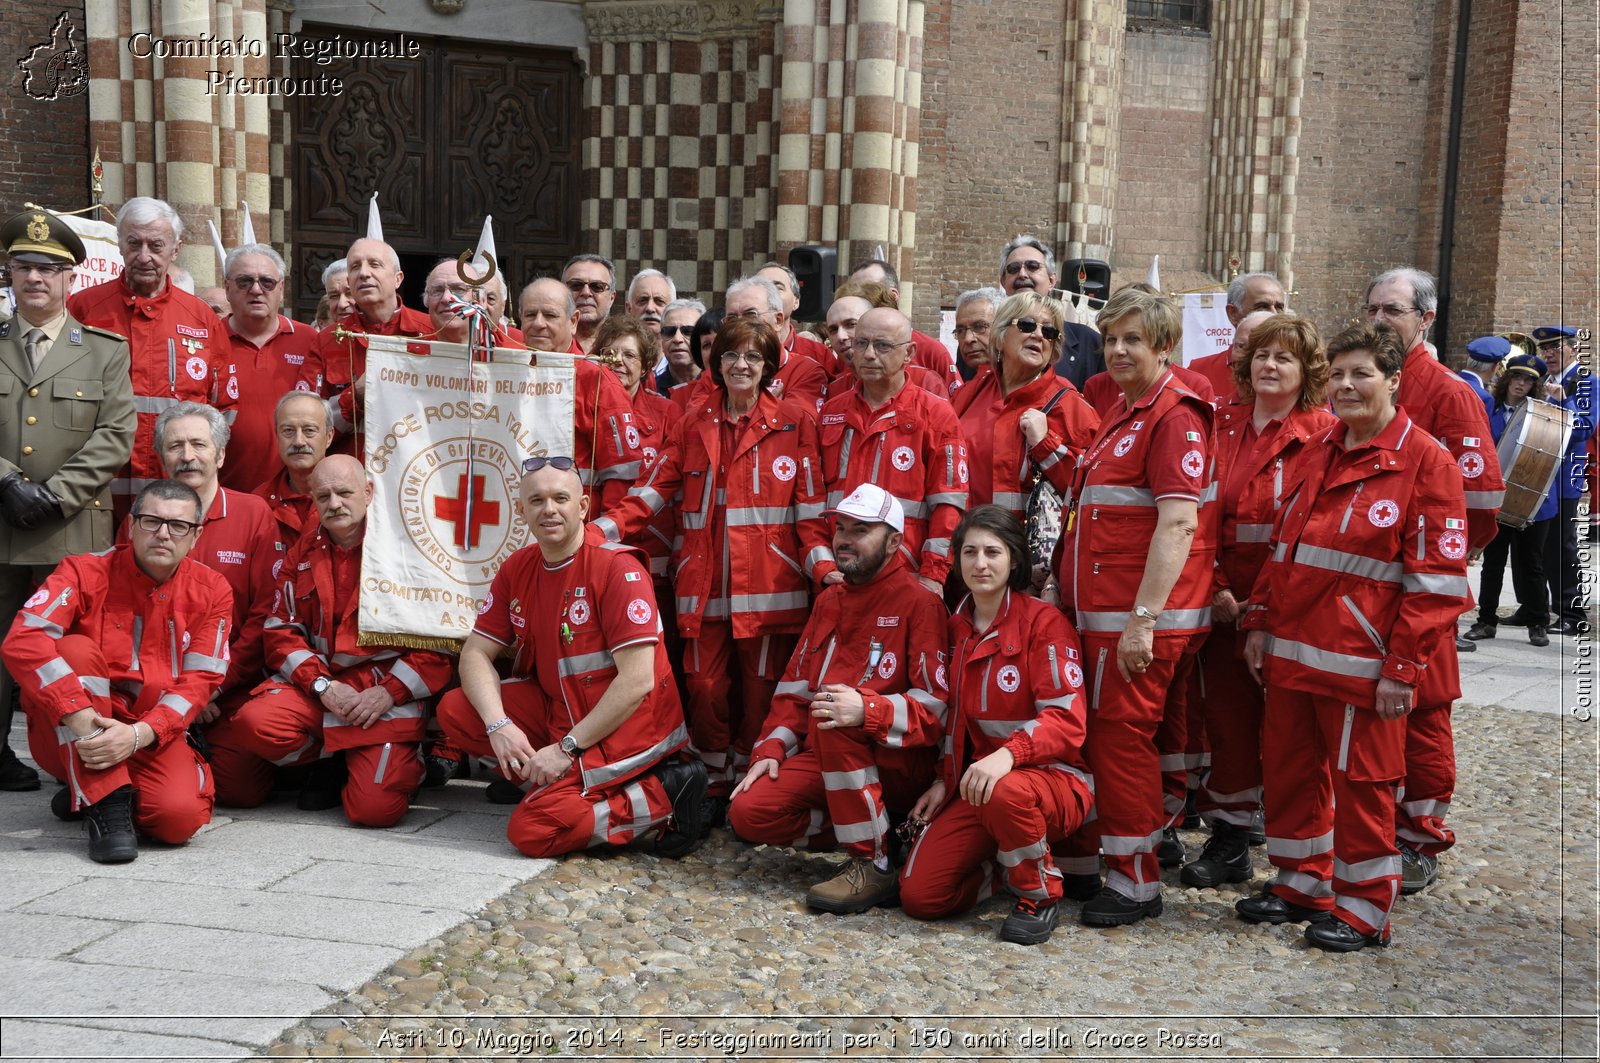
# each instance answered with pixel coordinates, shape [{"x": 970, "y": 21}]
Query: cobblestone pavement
[{"x": 626, "y": 955}]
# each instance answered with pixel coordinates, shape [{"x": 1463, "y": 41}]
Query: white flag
[{"x": 374, "y": 221}]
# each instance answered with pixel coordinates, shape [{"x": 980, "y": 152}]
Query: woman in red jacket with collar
[
  {"x": 1017, "y": 414},
  {"x": 1280, "y": 384},
  {"x": 1012, "y": 781}
]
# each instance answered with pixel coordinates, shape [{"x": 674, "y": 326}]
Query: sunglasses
[
  {"x": 1028, "y": 324},
  {"x": 1032, "y": 265},
  {"x": 669, "y": 331},
  {"x": 597, "y": 287},
  {"x": 534, "y": 464},
  {"x": 244, "y": 282}
]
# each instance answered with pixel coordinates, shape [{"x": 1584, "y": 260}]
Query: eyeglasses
[
  {"x": 460, "y": 291},
  {"x": 1028, "y": 324},
  {"x": 178, "y": 529},
  {"x": 621, "y": 353},
  {"x": 597, "y": 287},
  {"x": 1373, "y": 310},
  {"x": 881, "y": 348},
  {"x": 980, "y": 329},
  {"x": 1032, "y": 265},
  {"x": 669, "y": 331},
  {"x": 245, "y": 282},
  {"x": 534, "y": 464},
  {"x": 43, "y": 270},
  {"x": 747, "y": 357}
]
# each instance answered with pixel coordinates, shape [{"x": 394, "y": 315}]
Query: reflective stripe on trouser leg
[
  {"x": 561, "y": 818},
  {"x": 52, "y": 745},
  {"x": 1298, "y": 794},
  {"x": 788, "y": 810},
  {"x": 1030, "y": 808},
  {"x": 1366, "y": 865},
  {"x": 382, "y": 780},
  {"x": 1430, "y": 781},
  {"x": 1121, "y": 750},
  {"x": 708, "y": 679},
  {"x": 760, "y": 662},
  {"x": 853, "y": 790}
]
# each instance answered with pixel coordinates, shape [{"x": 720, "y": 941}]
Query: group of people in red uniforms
[{"x": 796, "y": 595}]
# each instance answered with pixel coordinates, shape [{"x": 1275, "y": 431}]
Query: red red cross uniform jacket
[
  {"x": 607, "y": 444},
  {"x": 774, "y": 482},
  {"x": 911, "y": 447},
  {"x": 179, "y": 353},
  {"x": 1156, "y": 449},
  {"x": 820, "y": 353},
  {"x": 1218, "y": 372},
  {"x": 1102, "y": 392},
  {"x": 1368, "y": 571},
  {"x": 1443, "y": 405},
  {"x": 262, "y": 375},
  {"x": 1072, "y": 425},
  {"x": 653, "y": 416},
  {"x": 312, "y": 633},
  {"x": 165, "y": 646},
  {"x": 293, "y": 511},
  {"x": 935, "y": 357},
  {"x": 566, "y": 631},
  {"x": 341, "y": 359}
]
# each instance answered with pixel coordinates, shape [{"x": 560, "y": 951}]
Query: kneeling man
[
  {"x": 360, "y": 709},
  {"x": 853, "y": 736},
  {"x": 115, "y": 654},
  {"x": 590, "y": 716}
]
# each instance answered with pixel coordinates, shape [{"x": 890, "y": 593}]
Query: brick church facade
[{"x": 1324, "y": 141}]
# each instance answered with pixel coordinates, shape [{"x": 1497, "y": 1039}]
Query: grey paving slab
[
  {"x": 460, "y": 889},
  {"x": 284, "y": 811},
  {"x": 437, "y": 847},
  {"x": 334, "y": 964},
  {"x": 18, "y": 887},
  {"x": 157, "y": 1001},
  {"x": 49, "y": 1042},
  {"x": 43, "y": 936},
  {"x": 204, "y": 861},
  {"x": 368, "y": 922}
]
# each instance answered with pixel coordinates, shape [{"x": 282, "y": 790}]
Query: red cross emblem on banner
[{"x": 484, "y": 512}]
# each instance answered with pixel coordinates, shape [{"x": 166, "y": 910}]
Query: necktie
[{"x": 33, "y": 343}]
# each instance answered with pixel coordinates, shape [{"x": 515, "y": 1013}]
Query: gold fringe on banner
[{"x": 409, "y": 642}]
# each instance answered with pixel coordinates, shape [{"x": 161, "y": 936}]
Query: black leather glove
[{"x": 25, "y": 504}]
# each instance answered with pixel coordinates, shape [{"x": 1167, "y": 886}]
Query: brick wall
[
  {"x": 44, "y": 157},
  {"x": 1165, "y": 143}
]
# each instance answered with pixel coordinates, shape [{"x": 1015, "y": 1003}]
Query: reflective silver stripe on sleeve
[
  {"x": 650, "y": 495},
  {"x": 585, "y": 662},
  {"x": 948, "y": 498},
  {"x": 1485, "y": 499},
  {"x": 817, "y": 555},
  {"x": 1117, "y": 495},
  {"x": 95, "y": 685},
  {"x": 850, "y": 780},
  {"x": 763, "y": 603},
  {"x": 49, "y": 627},
  {"x": 1000, "y": 728},
  {"x": 928, "y": 701},
  {"x": 52, "y": 670},
  {"x": 1064, "y": 702},
  {"x": 790, "y": 740},
  {"x": 914, "y": 508},
  {"x": 1435, "y": 583},
  {"x": 796, "y": 687},
  {"x": 408, "y": 675},
  {"x": 293, "y": 662},
  {"x": 1170, "y": 620},
  {"x": 175, "y": 703},
  {"x": 758, "y": 516},
  {"x": 1350, "y": 564},
  {"x": 1012, "y": 500},
  {"x": 937, "y": 547},
  {"x": 1327, "y": 660},
  {"x": 809, "y": 510},
  {"x": 200, "y": 662},
  {"x": 608, "y": 527}
]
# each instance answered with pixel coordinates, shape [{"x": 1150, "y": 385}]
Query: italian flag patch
[
  {"x": 1193, "y": 437},
  {"x": 630, "y": 577},
  {"x": 1451, "y": 522}
]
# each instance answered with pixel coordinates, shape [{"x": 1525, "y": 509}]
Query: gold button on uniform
[
  {"x": 33, "y": 393},
  {"x": 33, "y": 420},
  {"x": 80, "y": 394},
  {"x": 27, "y": 450}
]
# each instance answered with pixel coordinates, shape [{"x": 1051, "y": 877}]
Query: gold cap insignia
[{"x": 38, "y": 229}]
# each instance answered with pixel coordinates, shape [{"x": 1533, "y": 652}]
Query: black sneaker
[
  {"x": 1537, "y": 635},
  {"x": 1465, "y": 645},
  {"x": 1191, "y": 812},
  {"x": 1336, "y": 935},
  {"x": 1481, "y": 632},
  {"x": 1110, "y": 908},
  {"x": 110, "y": 824},
  {"x": 1258, "y": 827},
  {"x": 1417, "y": 871},
  {"x": 61, "y": 806},
  {"x": 1226, "y": 858},
  {"x": 685, "y": 782},
  {"x": 1030, "y": 922},
  {"x": 1268, "y": 907},
  {"x": 16, "y": 776},
  {"x": 504, "y": 792},
  {"x": 324, "y": 785},
  {"x": 438, "y": 770},
  {"x": 1170, "y": 852}
]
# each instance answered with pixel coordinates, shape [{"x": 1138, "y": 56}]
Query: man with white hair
[
  {"x": 680, "y": 362},
  {"x": 269, "y": 356},
  {"x": 974, "y": 319},
  {"x": 444, "y": 288},
  {"x": 797, "y": 377},
  {"x": 375, "y": 278},
  {"x": 649, "y": 294},
  {"x": 179, "y": 349},
  {"x": 336, "y": 286}
]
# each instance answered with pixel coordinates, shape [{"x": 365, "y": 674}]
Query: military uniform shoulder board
[{"x": 103, "y": 332}]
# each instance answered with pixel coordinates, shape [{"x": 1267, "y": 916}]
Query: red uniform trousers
[
  {"x": 282, "y": 726},
  {"x": 969, "y": 851},
  {"x": 730, "y": 683},
  {"x": 1331, "y": 771},
  {"x": 843, "y": 790},
  {"x": 1131, "y": 791},
  {"x": 1232, "y": 706},
  {"x": 1430, "y": 779},
  {"x": 1180, "y": 740},
  {"x": 560, "y": 817},
  {"x": 175, "y": 793}
]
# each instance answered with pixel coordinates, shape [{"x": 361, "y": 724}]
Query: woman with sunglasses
[
  {"x": 1135, "y": 576},
  {"x": 741, "y": 470},
  {"x": 1018, "y": 416}
]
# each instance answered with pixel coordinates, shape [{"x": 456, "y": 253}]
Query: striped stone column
[
  {"x": 1257, "y": 83},
  {"x": 1091, "y": 111}
]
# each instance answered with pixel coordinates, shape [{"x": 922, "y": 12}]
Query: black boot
[
  {"x": 324, "y": 785},
  {"x": 685, "y": 783},
  {"x": 15, "y": 775},
  {"x": 1226, "y": 858},
  {"x": 110, "y": 824},
  {"x": 1169, "y": 853}
]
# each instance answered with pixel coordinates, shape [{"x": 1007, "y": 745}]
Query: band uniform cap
[
  {"x": 40, "y": 236},
  {"x": 1488, "y": 348},
  {"x": 1531, "y": 364},
  {"x": 1554, "y": 333},
  {"x": 873, "y": 504}
]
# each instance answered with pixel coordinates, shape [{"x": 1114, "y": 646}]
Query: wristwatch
[
  {"x": 320, "y": 685},
  {"x": 1145, "y": 614},
  {"x": 570, "y": 747}
]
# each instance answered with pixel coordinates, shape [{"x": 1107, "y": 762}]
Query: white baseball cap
[{"x": 870, "y": 502}]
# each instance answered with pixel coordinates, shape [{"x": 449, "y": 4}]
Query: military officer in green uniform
[{"x": 66, "y": 427}]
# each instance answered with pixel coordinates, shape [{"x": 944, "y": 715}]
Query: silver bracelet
[
  {"x": 493, "y": 727},
  {"x": 96, "y": 733}
]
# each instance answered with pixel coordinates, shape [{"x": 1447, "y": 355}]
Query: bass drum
[{"x": 1530, "y": 458}]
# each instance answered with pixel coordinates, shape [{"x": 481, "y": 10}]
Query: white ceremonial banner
[
  {"x": 1206, "y": 329},
  {"x": 445, "y": 442}
]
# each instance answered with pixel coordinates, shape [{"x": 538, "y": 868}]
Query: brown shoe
[{"x": 855, "y": 889}]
